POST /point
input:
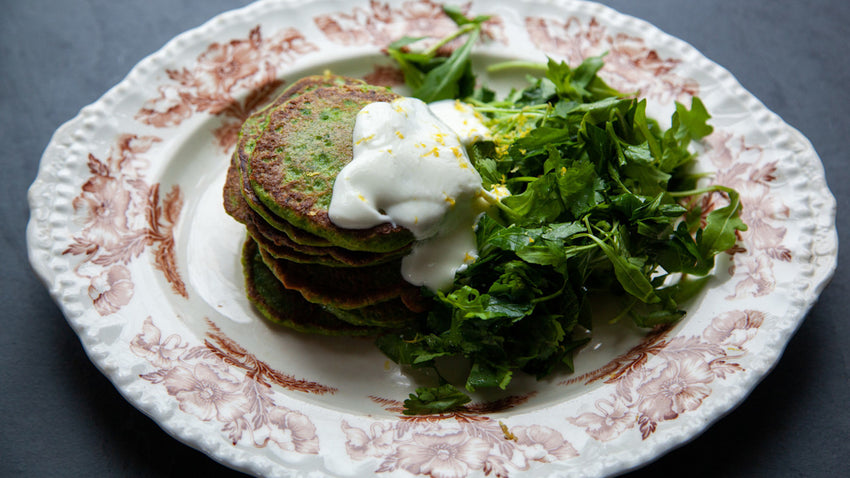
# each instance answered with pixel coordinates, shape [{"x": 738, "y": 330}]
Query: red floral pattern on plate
[
  {"x": 648, "y": 392},
  {"x": 206, "y": 382},
  {"x": 634, "y": 358},
  {"x": 221, "y": 74},
  {"x": 454, "y": 445},
  {"x": 233, "y": 354},
  {"x": 122, "y": 216},
  {"x": 745, "y": 168},
  {"x": 111, "y": 290}
]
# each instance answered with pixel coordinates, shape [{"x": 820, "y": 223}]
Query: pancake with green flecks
[
  {"x": 286, "y": 307},
  {"x": 281, "y": 245},
  {"x": 251, "y": 130},
  {"x": 293, "y": 166},
  {"x": 300, "y": 269}
]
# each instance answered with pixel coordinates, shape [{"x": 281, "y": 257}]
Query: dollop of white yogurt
[
  {"x": 412, "y": 170},
  {"x": 462, "y": 119}
]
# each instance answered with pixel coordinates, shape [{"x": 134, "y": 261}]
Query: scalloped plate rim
[{"x": 62, "y": 137}]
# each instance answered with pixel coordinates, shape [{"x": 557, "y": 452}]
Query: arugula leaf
[
  {"x": 453, "y": 78},
  {"x": 456, "y": 14},
  {"x": 428, "y": 400},
  {"x": 580, "y": 83},
  {"x": 693, "y": 121},
  {"x": 630, "y": 273},
  {"x": 721, "y": 225},
  {"x": 683, "y": 254},
  {"x": 512, "y": 238},
  {"x": 688, "y": 125},
  {"x": 580, "y": 187},
  {"x": 471, "y": 304},
  {"x": 483, "y": 374},
  {"x": 539, "y": 203},
  {"x": 434, "y": 78},
  {"x": 539, "y": 138}
]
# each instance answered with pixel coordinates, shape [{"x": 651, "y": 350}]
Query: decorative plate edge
[{"x": 823, "y": 261}]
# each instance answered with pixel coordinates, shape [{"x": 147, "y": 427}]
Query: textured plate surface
[{"x": 128, "y": 233}]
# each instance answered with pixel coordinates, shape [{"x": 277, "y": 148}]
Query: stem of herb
[
  {"x": 530, "y": 110},
  {"x": 517, "y": 64},
  {"x": 537, "y": 300},
  {"x": 457, "y": 33},
  {"x": 696, "y": 192},
  {"x": 493, "y": 201},
  {"x": 522, "y": 179}
]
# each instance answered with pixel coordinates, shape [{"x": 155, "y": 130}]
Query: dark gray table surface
[{"x": 60, "y": 417}]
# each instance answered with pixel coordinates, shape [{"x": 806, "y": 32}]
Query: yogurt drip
[{"x": 412, "y": 170}]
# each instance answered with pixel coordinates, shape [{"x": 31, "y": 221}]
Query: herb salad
[{"x": 602, "y": 201}]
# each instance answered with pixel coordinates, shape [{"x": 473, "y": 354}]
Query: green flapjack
[
  {"x": 341, "y": 287},
  {"x": 300, "y": 269},
  {"x": 293, "y": 166},
  {"x": 281, "y": 245},
  {"x": 251, "y": 130},
  {"x": 343, "y": 257},
  {"x": 287, "y": 307}
]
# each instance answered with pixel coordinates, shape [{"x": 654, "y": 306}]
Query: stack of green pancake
[{"x": 301, "y": 270}]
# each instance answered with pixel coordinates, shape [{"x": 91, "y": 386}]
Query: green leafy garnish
[
  {"x": 601, "y": 204},
  {"x": 431, "y": 400},
  {"x": 433, "y": 77}
]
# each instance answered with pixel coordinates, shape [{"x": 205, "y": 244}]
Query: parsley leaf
[{"x": 432, "y": 77}]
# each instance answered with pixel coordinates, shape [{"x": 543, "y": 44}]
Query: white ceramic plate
[{"x": 128, "y": 233}]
